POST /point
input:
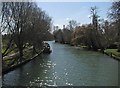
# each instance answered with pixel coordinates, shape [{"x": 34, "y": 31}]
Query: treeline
[
  {"x": 24, "y": 24},
  {"x": 99, "y": 34}
]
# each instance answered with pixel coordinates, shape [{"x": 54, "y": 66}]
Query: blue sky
[{"x": 62, "y": 12}]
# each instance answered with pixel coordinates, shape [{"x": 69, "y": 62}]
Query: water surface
[{"x": 66, "y": 66}]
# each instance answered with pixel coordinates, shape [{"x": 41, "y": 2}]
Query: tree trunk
[
  {"x": 118, "y": 48},
  {"x": 21, "y": 53},
  {"x": 20, "y": 48},
  {"x": 118, "y": 35},
  {"x": 34, "y": 51}
]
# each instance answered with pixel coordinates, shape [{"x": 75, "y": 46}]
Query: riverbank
[
  {"x": 14, "y": 66},
  {"x": 112, "y": 53},
  {"x": 28, "y": 56}
]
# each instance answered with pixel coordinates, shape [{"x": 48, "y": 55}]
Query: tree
[
  {"x": 95, "y": 35},
  {"x": 6, "y": 27},
  {"x": 58, "y": 36},
  {"x": 79, "y": 35},
  {"x": 16, "y": 15},
  {"x": 39, "y": 27},
  {"x": 89, "y": 34},
  {"x": 25, "y": 23},
  {"x": 72, "y": 24},
  {"x": 109, "y": 34},
  {"x": 94, "y": 16},
  {"x": 115, "y": 16},
  {"x": 66, "y": 33}
]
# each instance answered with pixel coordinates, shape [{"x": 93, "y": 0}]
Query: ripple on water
[
  {"x": 49, "y": 61},
  {"x": 42, "y": 80},
  {"x": 54, "y": 64},
  {"x": 45, "y": 71},
  {"x": 41, "y": 83},
  {"x": 49, "y": 64},
  {"x": 46, "y": 77},
  {"x": 69, "y": 84},
  {"x": 49, "y": 81},
  {"x": 66, "y": 73}
]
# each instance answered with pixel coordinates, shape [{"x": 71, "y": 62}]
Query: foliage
[
  {"x": 115, "y": 16},
  {"x": 25, "y": 23}
]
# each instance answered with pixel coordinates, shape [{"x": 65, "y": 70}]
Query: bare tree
[
  {"x": 95, "y": 36},
  {"x": 72, "y": 24},
  {"x": 39, "y": 27},
  {"x": 26, "y": 23},
  {"x": 115, "y": 16},
  {"x": 94, "y": 16}
]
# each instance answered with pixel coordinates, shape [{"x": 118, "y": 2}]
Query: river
[{"x": 66, "y": 66}]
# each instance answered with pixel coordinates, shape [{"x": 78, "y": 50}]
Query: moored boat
[{"x": 47, "y": 48}]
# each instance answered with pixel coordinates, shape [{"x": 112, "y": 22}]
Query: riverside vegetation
[
  {"x": 25, "y": 26},
  {"x": 100, "y": 35}
]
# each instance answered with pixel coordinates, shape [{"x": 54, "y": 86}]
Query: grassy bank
[
  {"x": 110, "y": 52},
  {"x": 28, "y": 56},
  {"x": 113, "y": 53}
]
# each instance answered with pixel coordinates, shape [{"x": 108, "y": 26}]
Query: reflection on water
[{"x": 66, "y": 66}]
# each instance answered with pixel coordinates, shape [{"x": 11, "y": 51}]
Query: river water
[{"x": 66, "y": 66}]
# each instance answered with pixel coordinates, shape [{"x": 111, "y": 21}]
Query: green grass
[
  {"x": 113, "y": 52},
  {"x": 27, "y": 55},
  {"x": 3, "y": 49},
  {"x": 10, "y": 51}
]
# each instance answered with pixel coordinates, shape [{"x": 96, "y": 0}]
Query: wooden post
[{"x": 0, "y": 48}]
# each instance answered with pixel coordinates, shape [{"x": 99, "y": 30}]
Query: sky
[{"x": 62, "y": 12}]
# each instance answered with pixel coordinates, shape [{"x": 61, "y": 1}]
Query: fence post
[{"x": 0, "y": 47}]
